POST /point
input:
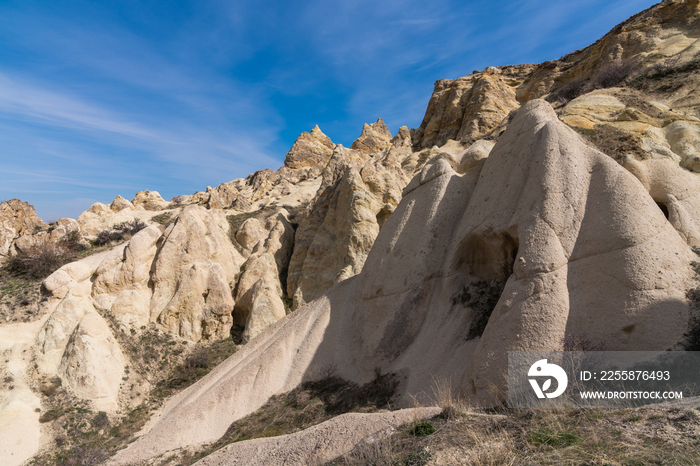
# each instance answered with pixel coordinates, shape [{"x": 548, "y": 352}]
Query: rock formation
[
  {"x": 564, "y": 238},
  {"x": 309, "y": 150},
  {"x": 17, "y": 219},
  {"x": 492, "y": 227},
  {"x": 374, "y": 137}
]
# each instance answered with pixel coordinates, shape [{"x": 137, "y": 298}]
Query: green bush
[{"x": 423, "y": 429}]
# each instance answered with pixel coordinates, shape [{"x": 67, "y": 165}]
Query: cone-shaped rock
[
  {"x": 374, "y": 137},
  {"x": 309, "y": 150}
]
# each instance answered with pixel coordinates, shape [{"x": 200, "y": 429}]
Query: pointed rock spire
[{"x": 309, "y": 150}]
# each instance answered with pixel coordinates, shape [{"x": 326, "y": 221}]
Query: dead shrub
[
  {"x": 100, "y": 421},
  {"x": 119, "y": 232},
  {"x": 613, "y": 73},
  {"x": 84, "y": 455},
  {"x": 40, "y": 260},
  {"x": 570, "y": 91}
]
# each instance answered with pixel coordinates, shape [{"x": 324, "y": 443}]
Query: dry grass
[
  {"x": 544, "y": 437},
  {"x": 470, "y": 436}
]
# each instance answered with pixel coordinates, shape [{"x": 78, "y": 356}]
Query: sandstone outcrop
[
  {"x": 17, "y": 218},
  {"x": 309, "y": 150},
  {"x": 374, "y": 137},
  {"x": 119, "y": 203},
  {"x": 564, "y": 239},
  {"x": 467, "y": 108}
]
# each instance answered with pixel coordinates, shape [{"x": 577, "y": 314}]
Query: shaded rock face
[
  {"x": 17, "y": 219},
  {"x": 566, "y": 241},
  {"x": 309, "y": 150}
]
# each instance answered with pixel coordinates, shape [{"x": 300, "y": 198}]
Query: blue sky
[{"x": 111, "y": 97}]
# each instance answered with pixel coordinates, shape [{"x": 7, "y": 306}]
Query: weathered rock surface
[
  {"x": 93, "y": 364},
  {"x": 355, "y": 198},
  {"x": 374, "y": 137},
  {"x": 675, "y": 190},
  {"x": 467, "y": 108},
  {"x": 17, "y": 218},
  {"x": 259, "y": 293},
  {"x": 149, "y": 200},
  {"x": 568, "y": 240},
  {"x": 20, "y": 430},
  {"x": 119, "y": 203},
  {"x": 310, "y": 150}
]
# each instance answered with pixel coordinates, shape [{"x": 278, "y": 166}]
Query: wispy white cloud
[{"x": 34, "y": 103}]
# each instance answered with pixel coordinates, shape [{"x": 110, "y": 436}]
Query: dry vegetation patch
[
  {"x": 86, "y": 438},
  {"x": 612, "y": 141},
  {"x": 542, "y": 437}
]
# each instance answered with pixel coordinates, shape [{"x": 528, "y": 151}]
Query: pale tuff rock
[
  {"x": 675, "y": 190},
  {"x": 402, "y": 138},
  {"x": 318, "y": 444},
  {"x": 93, "y": 364},
  {"x": 20, "y": 407},
  {"x": 259, "y": 293},
  {"x": 119, "y": 203},
  {"x": 53, "y": 337},
  {"x": 249, "y": 233},
  {"x": 195, "y": 248},
  {"x": 100, "y": 217},
  {"x": 474, "y": 156},
  {"x": 581, "y": 234},
  {"x": 149, "y": 200},
  {"x": 180, "y": 279},
  {"x": 570, "y": 241},
  {"x": 62, "y": 227},
  {"x": 374, "y": 137},
  {"x": 286, "y": 187},
  {"x": 17, "y": 218},
  {"x": 355, "y": 198},
  {"x": 309, "y": 150}
]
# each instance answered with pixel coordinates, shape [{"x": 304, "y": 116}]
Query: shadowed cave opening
[
  {"x": 488, "y": 263},
  {"x": 663, "y": 208}
]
